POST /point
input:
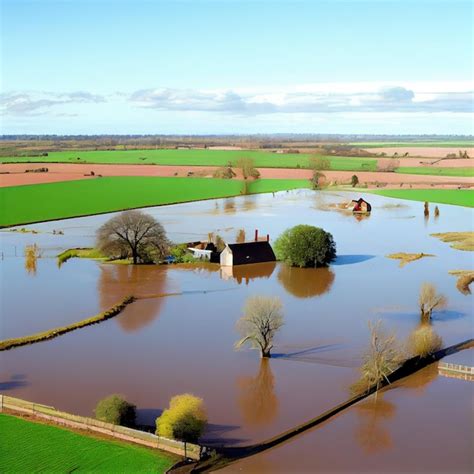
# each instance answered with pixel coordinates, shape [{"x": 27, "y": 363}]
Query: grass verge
[
  {"x": 408, "y": 257},
  {"x": 51, "y": 201},
  {"x": 464, "y": 172},
  {"x": 79, "y": 253},
  {"x": 32, "y": 447},
  {"x": 457, "y": 197},
  {"x": 52, "y": 333},
  {"x": 465, "y": 278}
]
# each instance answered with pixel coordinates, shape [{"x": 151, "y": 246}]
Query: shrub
[
  {"x": 115, "y": 409},
  {"x": 181, "y": 254},
  {"x": 305, "y": 246},
  {"x": 184, "y": 420},
  {"x": 423, "y": 341},
  {"x": 354, "y": 180},
  {"x": 262, "y": 319}
]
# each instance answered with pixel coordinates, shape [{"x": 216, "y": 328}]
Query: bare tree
[
  {"x": 319, "y": 163},
  {"x": 430, "y": 300},
  {"x": 424, "y": 341},
  {"x": 380, "y": 360},
  {"x": 240, "y": 238},
  {"x": 247, "y": 167},
  {"x": 262, "y": 319},
  {"x": 135, "y": 235}
]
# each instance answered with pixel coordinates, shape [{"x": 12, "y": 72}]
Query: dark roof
[
  {"x": 252, "y": 252},
  {"x": 360, "y": 201}
]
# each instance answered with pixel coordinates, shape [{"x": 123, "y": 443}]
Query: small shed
[
  {"x": 361, "y": 206},
  {"x": 248, "y": 252}
]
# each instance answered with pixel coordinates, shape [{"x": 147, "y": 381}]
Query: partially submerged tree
[
  {"x": 424, "y": 341},
  {"x": 115, "y": 409},
  {"x": 426, "y": 210},
  {"x": 380, "y": 360},
  {"x": 262, "y": 319},
  {"x": 430, "y": 300},
  {"x": 317, "y": 179},
  {"x": 240, "y": 237},
  {"x": 184, "y": 420},
  {"x": 247, "y": 167},
  {"x": 305, "y": 246},
  {"x": 135, "y": 235},
  {"x": 32, "y": 253}
]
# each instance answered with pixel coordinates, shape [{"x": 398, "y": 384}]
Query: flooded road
[{"x": 165, "y": 345}]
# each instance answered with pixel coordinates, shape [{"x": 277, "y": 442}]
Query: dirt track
[{"x": 67, "y": 172}]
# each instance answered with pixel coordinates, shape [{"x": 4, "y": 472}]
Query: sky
[{"x": 237, "y": 66}]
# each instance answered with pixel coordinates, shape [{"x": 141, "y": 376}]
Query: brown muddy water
[{"x": 159, "y": 347}]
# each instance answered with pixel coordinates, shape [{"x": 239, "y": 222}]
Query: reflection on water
[
  {"x": 247, "y": 273},
  {"x": 229, "y": 206},
  {"x": 31, "y": 256},
  {"x": 117, "y": 281},
  {"x": 305, "y": 282},
  {"x": 257, "y": 399},
  {"x": 372, "y": 432}
]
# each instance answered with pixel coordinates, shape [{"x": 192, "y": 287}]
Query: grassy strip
[
  {"x": 32, "y": 447},
  {"x": 465, "y": 278},
  {"x": 52, "y": 333},
  {"x": 79, "y": 253},
  {"x": 408, "y": 257},
  {"x": 464, "y": 172},
  {"x": 51, "y": 201},
  {"x": 262, "y": 159},
  {"x": 459, "y": 240},
  {"x": 457, "y": 197}
]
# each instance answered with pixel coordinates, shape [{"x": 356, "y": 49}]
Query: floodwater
[{"x": 162, "y": 345}]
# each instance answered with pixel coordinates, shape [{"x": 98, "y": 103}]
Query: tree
[
  {"x": 354, "y": 180},
  {"x": 262, "y": 319},
  {"x": 305, "y": 246},
  {"x": 184, "y": 420},
  {"x": 319, "y": 163},
  {"x": 317, "y": 179},
  {"x": 32, "y": 253},
  {"x": 430, "y": 300},
  {"x": 426, "y": 210},
  {"x": 423, "y": 341},
  {"x": 115, "y": 409},
  {"x": 380, "y": 360},
  {"x": 135, "y": 235},
  {"x": 240, "y": 237},
  {"x": 225, "y": 172},
  {"x": 247, "y": 167}
]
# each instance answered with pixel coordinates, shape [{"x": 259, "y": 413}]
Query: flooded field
[{"x": 162, "y": 346}]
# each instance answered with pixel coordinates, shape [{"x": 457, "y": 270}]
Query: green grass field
[
  {"x": 42, "y": 202},
  {"x": 465, "y": 172},
  {"x": 263, "y": 159},
  {"x": 458, "y": 197},
  {"x": 454, "y": 144},
  {"x": 32, "y": 447}
]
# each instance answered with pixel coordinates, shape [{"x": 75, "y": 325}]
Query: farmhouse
[
  {"x": 361, "y": 206},
  {"x": 248, "y": 252}
]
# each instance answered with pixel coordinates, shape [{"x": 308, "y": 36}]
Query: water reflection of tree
[
  {"x": 373, "y": 430},
  {"x": 32, "y": 254},
  {"x": 229, "y": 206},
  {"x": 257, "y": 400},
  {"x": 117, "y": 281},
  {"x": 305, "y": 282},
  {"x": 371, "y": 433}
]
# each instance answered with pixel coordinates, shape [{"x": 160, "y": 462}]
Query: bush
[
  {"x": 423, "y": 341},
  {"x": 184, "y": 420},
  {"x": 181, "y": 254},
  {"x": 305, "y": 246},
  {"x": 115, "y": 409},
  {"x": 354, "y": 180}
]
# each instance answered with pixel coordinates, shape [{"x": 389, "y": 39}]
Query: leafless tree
[
  {"x": 424, "y": 341},
  {"x": 135, "y": 235},
  {"x": 381, "y": 359},
  {"x": 247, "y": 167},
  {"x": 262, "y": 319},
  {"x": 430, "y": 300},
  {"x": 240, "y": 238}
]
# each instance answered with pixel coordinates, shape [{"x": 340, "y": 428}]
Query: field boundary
[{"x": 122, "y": 433}]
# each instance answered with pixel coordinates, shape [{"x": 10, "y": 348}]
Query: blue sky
[{"x": 225, "y": 66}]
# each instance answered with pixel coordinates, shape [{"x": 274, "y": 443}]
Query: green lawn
[
  {"x": 436, "y": 171},
  {"x": 42, "y": 202},
  {"x": 32, "y": 447},
  {"x": 454, "y": 144},
  {"x": 263, "y": 159},
  {"x": 458, "y": 197}
]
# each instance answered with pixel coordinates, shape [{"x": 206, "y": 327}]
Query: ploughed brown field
[
  {"x": 66, "y": 172},
  {"x": 433, "y": 152}
]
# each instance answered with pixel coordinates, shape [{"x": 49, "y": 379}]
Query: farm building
[
  {"x": 361, "y": 206},
  {"x": 204, "y": 251},
  {"x": 248, "y": 252}
]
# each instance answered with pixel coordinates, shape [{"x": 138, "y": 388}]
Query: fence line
[{"x": 123, "y": 433}]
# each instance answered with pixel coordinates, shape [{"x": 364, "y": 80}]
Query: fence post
[{"x": 1, "y": 403}]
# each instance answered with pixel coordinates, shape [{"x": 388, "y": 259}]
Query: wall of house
[{"x": 227, "y": 257}]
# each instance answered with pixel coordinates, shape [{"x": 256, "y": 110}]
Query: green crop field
[
  {"x": 42, "y": 202},
  {"x": 32, "y": 447},
  {"x": 465, "y": 172},
  {"x": 434, "y": 144},
  {"x": 458, "y": 197},
  {"x": 262, "y": 159}
]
